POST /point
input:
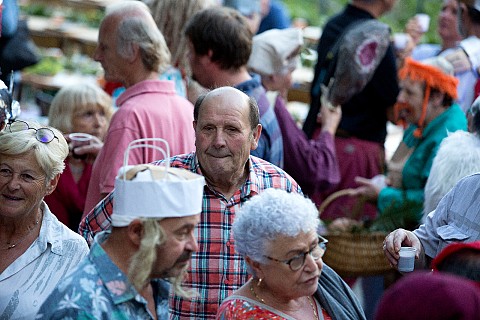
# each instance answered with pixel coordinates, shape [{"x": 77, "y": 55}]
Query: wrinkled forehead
[
  {"x": 225, "y": 110},
  {"x": 235, "y": 100}
]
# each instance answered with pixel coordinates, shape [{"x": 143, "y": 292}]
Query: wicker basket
[{"x": 354, "y": 254}]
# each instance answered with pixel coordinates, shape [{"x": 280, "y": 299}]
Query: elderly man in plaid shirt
[{"x": 226, "y": 123}]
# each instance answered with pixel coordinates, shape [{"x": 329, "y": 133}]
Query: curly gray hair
[{"x": 271, "y": 214}]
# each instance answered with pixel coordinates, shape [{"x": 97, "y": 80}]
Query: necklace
[
  {"x": 14, "y": 245},
  {"x": 315, "y": 314},
  {"x": 313, "y": 307},
  {"x": 255, "y": 294}
]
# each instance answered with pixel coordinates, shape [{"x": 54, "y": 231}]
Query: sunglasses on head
[{"x": 44, "y": 135}]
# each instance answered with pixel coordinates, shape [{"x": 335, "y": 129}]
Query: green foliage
[
  {"x": 51, "y": 65},
  {"x": 48, "y": 66},
  {"x": 88, "y": 17},
  {"x": 405, "y": 215}
]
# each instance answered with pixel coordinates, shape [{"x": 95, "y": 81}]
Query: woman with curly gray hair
[
  {"x": 276, "y": 233},
  {"x": 37, "y": 250}
]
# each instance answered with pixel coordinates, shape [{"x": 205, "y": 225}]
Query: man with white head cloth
[{"x": 151, "y": 239}]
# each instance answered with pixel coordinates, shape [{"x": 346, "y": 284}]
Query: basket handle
[{"x": 328, "y": 200}]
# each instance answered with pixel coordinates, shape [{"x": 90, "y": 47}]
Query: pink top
[{"x": 148, "y": 109}]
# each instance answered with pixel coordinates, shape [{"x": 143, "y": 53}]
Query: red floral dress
[{"x": 242, "y": 308}]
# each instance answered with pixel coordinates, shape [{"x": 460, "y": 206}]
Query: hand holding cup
[{"x": 78, "y": 141}]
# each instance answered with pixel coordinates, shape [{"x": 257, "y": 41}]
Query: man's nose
[{"x": 219, "y": 139}]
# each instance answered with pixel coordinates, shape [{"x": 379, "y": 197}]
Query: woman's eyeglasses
[
  {"x": 297, "y": 262},
  {"x": 44, "y": 135}
]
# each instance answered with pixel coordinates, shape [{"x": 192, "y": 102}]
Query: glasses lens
[
  {"x": 45, "y": 135},
  {"x": 317, "y": 253},
  {"x": 297, "y": 262},
  {"x": 18, "y": 126}
]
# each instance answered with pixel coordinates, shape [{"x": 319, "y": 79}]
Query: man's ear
[
  {"x": 210, "y": 54},
  {"x": 135, "y": 53},
  {"x": 135, "y": 232},
  {"x": 256, "y": 133}
]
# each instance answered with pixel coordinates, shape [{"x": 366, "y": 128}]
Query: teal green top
[{"x": 417, "y": 168}]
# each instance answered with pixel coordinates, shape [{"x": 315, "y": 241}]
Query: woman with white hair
[
  {"x": 36, "y": 249},
  {"x": 276, "y": 233}
]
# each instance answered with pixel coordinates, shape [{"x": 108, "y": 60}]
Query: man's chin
[{"x": 175, "y": 271}]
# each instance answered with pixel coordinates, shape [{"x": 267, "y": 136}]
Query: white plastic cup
[
  {"x": 400, "y": 40},
  {"x": 423, "y": 20},
  {"x": 406, "y": 263},
  {"x": 79, "y": 139}
]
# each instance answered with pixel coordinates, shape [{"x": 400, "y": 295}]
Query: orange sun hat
[{"x": 436, "y": 73}]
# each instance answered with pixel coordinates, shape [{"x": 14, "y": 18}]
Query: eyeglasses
[
  {"x": 44, "y": 135},
  {"x": 297, "y": 262}
]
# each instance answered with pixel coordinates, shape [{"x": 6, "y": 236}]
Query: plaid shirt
[{"x": 215, "y": 270}]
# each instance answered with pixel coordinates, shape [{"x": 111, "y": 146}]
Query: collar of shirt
[
  {"x": 146, "y": 86},
  {"x": 50, "y": 233},
  {"x": 248, "y": 86}
]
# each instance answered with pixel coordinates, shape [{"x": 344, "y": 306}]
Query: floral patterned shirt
[{"x": 98, "y": 289}]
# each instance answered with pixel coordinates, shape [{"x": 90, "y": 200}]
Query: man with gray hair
[
  {"x": 152, "y": 238},
  {"x": 132, "y": 51},
  {"x": 226, "y": 129}
]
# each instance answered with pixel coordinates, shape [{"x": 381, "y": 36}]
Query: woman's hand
[
  {"x": 90, "y": 150},
  {"x": 369, "y": 188},
  {"x": 329, "y": 116},
  {"x": 414, "y": 29},
  {"x": 344, "y": 225}
]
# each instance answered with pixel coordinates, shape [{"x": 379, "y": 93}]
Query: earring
[{"x": 259, "y": 282}]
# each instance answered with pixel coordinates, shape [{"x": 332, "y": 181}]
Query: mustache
[
  {"x": 186, "y": 256},
  {"x": 218, "y": 152}
]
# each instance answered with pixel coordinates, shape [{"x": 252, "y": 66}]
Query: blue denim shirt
[
  {"x": 270, "y": 145},
  {"x": 98, "y": 289}
]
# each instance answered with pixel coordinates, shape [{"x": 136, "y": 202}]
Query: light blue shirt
[{"x": 456, "y": 218}]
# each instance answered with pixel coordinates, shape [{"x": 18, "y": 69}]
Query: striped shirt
[{"x": 216, "y": 271}]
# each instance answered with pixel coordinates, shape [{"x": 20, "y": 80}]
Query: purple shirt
[{"x": 312, "y": 163}]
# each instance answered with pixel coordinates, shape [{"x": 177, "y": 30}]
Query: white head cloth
[
  {"x": 149, "y": 191},
  {"x": 275, "y": 51}
]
